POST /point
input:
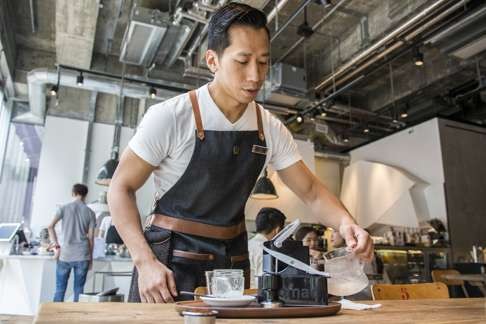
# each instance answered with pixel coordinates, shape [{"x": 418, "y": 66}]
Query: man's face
[{"x": 241, "y": 68}]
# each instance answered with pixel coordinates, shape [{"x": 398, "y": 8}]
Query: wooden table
[
  {"x": 458, "y": 310},
  {"x": 477, "y": 280}
]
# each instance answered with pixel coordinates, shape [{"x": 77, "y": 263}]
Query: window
[{"x": 19, "y": 159}]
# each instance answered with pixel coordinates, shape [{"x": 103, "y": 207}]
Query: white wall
[
  {"x": 61, "y": 165},
  {"x": 100, "y": 153},
  {"x": 416, "y": 150},
  {"x": 329, "y": 172}
]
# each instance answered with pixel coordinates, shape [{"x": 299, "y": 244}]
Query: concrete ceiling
[{"x": 89, "y": 33}]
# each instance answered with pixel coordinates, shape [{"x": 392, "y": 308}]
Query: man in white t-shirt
[{"x": 206, "y": 150}]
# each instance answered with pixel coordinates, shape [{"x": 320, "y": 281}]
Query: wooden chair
[
  {"x": 439, "y": 276},
  {"x": 202, "y": 290},
  {"x": 410, "y": 291}
]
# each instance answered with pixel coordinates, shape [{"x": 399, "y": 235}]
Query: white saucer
[{"x": 243, "y": 300}]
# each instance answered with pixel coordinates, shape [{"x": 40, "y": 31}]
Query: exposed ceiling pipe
[
  {"x": 180, "y": 14},
  {"x": 38, "y": 79},
  {"x": 275, "y": 10},
  {"x": 345, "y": 109},
  {"x": 353, "y": 123},
  {"x": 381, "y": 43},
  {"x": 32, "y": 17},
  {"x": 200, "y": 38},
  {"x": 358, "y": 69},
  {"x": 333, "y": 156},
  {"x": 314, "y": 28},
  {"x": 301, "y": 7}
]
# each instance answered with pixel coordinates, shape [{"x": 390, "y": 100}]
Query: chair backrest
[
  {"x": 438, "y": 276},
  {"x": 202, "y": 290},
  {"x": 410, "y": 291}
]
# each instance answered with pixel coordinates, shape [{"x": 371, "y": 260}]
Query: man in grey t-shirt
[{"x": 78, "y": 224}]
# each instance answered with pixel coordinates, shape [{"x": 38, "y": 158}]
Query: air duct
[
  {"x": 143, "y": 36},
  {"x": 38, "y": 79}
]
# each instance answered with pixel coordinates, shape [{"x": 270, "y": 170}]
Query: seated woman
[{"x": 310, "y": 237}]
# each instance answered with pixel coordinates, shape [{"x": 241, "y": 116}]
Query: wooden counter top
[{"x": 464, "y": 310}]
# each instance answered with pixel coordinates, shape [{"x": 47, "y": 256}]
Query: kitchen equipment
[
  {"x": 109, "y": 295},
  {"x": 238, "y": 301},
  {"x": 287, "y": 277},
  {"x": 202, "y": 317},
  {"x": 209, "y": 279},
  {"x": 255, "y": 310},
  {"x": 94, "y": 298},
  {"x": 182, "y": 292},
  {"x": 346, "y": 272},
  {"x": 227, "y": 283},
  {"x": 109, "y": 292}
]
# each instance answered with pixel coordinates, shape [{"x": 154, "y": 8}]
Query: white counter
[{"x": 27, "y": 281}]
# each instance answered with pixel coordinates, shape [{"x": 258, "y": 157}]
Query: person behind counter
[
  {"x": 269, "y": 222},
  {"x": 309, "y": 237},
  {"x": 78, "y": 224}
]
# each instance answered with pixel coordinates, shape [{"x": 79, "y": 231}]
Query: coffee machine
[{"x": 288, "y": 279}]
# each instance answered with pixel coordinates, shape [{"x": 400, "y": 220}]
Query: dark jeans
[{"x": 63, "y": 270}]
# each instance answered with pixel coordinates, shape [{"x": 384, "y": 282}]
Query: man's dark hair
[
  {"x": 232, "y": 14},
  {"x": 303, "y": 231},
  {"x": 268, "y": 219},
  {"x": 80, "y": 189}
]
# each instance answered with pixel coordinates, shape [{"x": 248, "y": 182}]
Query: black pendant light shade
[
  {"x": 108, "y": 169},
  {"x": 264, "y": 189},
  {"x": 106, "y": 172}
]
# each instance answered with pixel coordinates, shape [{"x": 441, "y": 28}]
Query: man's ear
[{"x": 212, "y": 60}]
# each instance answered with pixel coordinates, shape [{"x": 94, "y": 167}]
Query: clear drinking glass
[
  {"x": 227, "y": 283},
  {"x": 209, "y": 279},
  {"x": 346, "y": 270}
]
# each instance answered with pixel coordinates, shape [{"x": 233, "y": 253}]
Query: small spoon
[{"x": 182, "y": 292}]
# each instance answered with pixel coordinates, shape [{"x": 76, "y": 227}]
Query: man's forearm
[
  {"x": 91, "y": 247},
  {"x": 126, "y": 218},
  {"x": 52, "y": 235},
  {"x": 323, "y": 202}
]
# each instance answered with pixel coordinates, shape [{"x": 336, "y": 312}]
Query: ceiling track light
[
  {"x": 418, "y": 57},
  {"x": 152, "y": 92},
  {"x": 299, "y": 119},
  {"x": 325, "y": 3},
  {"x": 366, "y": 130},
  {"x": 80, "y": 79},
  {"x": 54, "y": 90},
  {"x": 305, "y": 30}
]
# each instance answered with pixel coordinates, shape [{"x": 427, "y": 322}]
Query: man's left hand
[{"x": 358, "y": 240}]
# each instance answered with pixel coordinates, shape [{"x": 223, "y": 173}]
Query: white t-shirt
[
  {"x": 166, "y": 136},
  {"x": 105, "y": 226}
]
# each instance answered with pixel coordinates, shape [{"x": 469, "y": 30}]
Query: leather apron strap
[{"x": 198, "y": 119}]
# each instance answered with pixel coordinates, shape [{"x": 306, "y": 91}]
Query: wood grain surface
[
  {"x": 255, "y": 310},
  {"x": 430, "y": 311}
]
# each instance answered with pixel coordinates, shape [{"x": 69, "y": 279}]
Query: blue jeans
[{"x": 63, "y": 270}]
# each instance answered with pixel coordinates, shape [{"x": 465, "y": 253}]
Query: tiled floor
[{"x": 15, "y": 319}]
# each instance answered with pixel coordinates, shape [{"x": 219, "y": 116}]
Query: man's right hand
[
  {"x": 156, "y": 283},
  {"x": 57, "y": 253}
]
